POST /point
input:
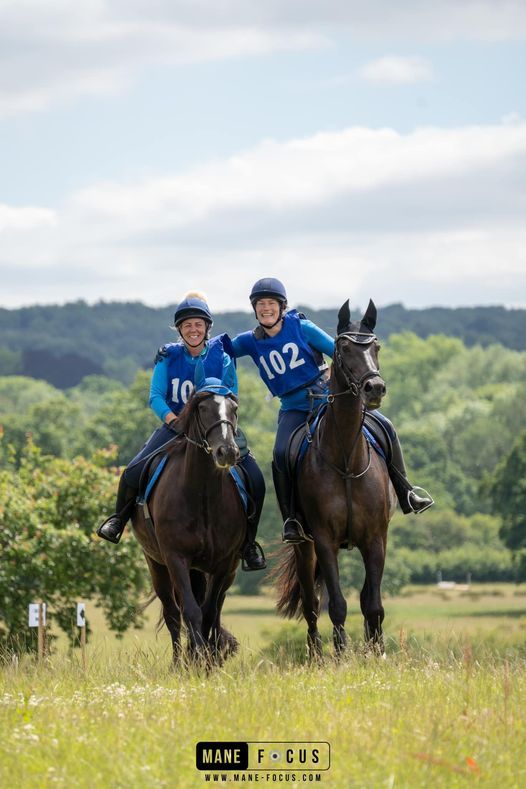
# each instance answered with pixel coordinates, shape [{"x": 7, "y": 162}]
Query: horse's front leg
[
  {"x": 370, "y": 597},
  {"x": 163, "y": 587},
  {"x": 221, "y": 642},
  {"x": 180, "y": 575},
  {"x": 327, "y": 557},
  {"x": 305, "y": 568}
]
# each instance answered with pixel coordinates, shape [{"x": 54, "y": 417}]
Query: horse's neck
[
  {"x": 342, "y": 438},
  {"x": 199, "y": 473},
  {"x": 198, "y": 464}
]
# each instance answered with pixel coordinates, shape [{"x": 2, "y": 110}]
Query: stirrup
[
  {"x": 114, "y": 538},
  {"x": 245, "y": 566},
  {"x": 427, "y": 496},
  {"x": 298, "y": 527}
]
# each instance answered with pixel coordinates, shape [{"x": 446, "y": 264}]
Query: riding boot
[
  {"x": 408, "y": 499},
  {"x": 253, "y": 557},
  {"x": 293, "y": 531},
  {"x": 113, "y": 527}
]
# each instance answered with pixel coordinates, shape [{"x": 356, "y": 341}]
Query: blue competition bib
[
  {"x": 181, "y": 369},
  {"x": 286, "y": 362}
]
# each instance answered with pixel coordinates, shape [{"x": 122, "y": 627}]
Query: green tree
[
  {"x": 507, "y": 491},
  {"x": 49, "y": 508}
]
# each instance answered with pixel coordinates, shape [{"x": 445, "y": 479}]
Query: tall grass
[{"x": 445, "y": 709}]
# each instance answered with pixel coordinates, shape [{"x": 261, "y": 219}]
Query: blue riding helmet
[
  {"x": 192, "y": 307},
  {"x": 268, "y": 288}
]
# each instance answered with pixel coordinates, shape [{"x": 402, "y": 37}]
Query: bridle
[
  {"x": 354, "y": 384},
  {"x": 354, "y": 387},
  {"x": 202, "y": 431}
]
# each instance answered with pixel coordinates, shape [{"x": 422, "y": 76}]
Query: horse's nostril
[{"x": 368, "y": 386}]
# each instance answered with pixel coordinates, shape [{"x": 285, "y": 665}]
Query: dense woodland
[
  {"x": 460, "y": 412},
  {"x": 63, "y": 344}
]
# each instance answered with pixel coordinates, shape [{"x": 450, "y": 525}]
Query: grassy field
[{"x": 446, "y": 708}]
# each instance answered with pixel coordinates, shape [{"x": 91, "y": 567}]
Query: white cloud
[
  {"x": 397, "y": 70},
  {"x": 427, "y": 217},
  {"x": 54, "y": 50},
  {"x": 25, "y": 218}
]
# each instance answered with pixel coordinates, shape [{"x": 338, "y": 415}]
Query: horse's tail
[{"x": 288, "y": 585}]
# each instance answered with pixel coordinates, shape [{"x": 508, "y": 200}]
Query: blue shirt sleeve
[
  {"x": 228, "y": 362},
  {"x": 158, "y": 389},
  {"x": 239, "y": 345},
  {"x": 316, "y": 337}
]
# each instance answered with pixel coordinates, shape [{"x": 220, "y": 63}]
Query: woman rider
[
  {"x": 171, "y": 385},
  {"x": 288, "y": 350}
]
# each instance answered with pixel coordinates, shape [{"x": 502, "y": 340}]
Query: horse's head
[
  {"x": 216, "y": 415},
  {"x": 356, "y": 356}
]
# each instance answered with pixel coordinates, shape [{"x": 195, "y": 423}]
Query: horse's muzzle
[
  {"x": 226, "y": 455},
  {"x": 373, "y": 392}
]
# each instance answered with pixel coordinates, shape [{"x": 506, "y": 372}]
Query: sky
[{"x": 354, "y": 150}]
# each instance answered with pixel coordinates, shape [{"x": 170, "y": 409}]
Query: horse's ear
[
  {"x": 369, "y": 319},
  {"x": 344, "y": 318},
  {"x": 200, "y": 375},
  {"x": 229, "y": 378}
]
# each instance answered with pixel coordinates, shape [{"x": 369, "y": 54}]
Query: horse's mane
[{"x": 184, "y": 419}]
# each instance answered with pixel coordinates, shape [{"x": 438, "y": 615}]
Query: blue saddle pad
[{"x": 236, "y": 476}]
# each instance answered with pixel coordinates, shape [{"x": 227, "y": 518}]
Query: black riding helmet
[
  {"x": 193, "y": 306},
  {"x": 269, "y": 288}
]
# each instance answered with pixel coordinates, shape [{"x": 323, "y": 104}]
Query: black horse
[
  {"x": 193, "y": 545},
  {"x": 344, "y": 493}
]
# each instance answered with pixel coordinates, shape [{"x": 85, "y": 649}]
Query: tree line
[{"x": 63, "y": 344}]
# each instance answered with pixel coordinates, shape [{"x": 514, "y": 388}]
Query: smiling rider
[
  {"x": 172, "y": 384},
  {"x": 288, "y": 350}
]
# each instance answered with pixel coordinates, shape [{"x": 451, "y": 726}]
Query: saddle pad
[{"x": 236, "y": 476}]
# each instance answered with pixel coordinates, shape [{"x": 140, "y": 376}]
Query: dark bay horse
[
  {"x": 343, "y": 489},
  {"x": 199, "y": 523}
]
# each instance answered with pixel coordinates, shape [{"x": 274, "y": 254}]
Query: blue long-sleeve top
[
  {"x": 159, "y": 385},
  {"x": 317, "y": 339}
]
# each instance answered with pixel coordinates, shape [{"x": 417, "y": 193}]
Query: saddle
[{"x": 300, "y": 440}]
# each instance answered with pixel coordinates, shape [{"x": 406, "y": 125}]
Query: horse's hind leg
[
  {"x": 327, "y": 557},
  {"x": 305, "y": 568},
  {"x": 163, "y": 587},
  {"x": 370, "y": 596},
  {"x": 191, "y": 610}
]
